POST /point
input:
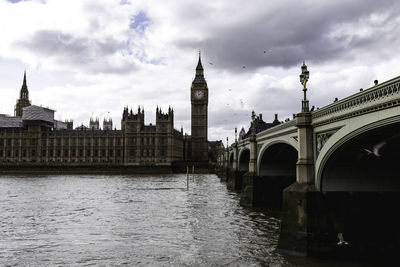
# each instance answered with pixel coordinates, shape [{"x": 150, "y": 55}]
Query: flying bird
[
  {"x": 244, "y": 67},
  {"x": 210, "y": 63},
  {"x": 341, "y": 240},
  {"x": 375, "y": 149}
]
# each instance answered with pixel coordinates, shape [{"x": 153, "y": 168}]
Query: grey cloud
[
  {"x": 292, "y": 33},
  {"x": 91, "y": 54}
]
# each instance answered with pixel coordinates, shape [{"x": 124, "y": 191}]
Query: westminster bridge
[{"x": 333, "y": 172}]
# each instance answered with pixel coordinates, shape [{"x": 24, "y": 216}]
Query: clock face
[{"x": 198, "y": 94}]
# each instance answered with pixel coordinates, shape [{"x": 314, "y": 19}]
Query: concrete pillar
[
  {"x": 305, "y": 163},
  {"x": 225, "y": 172},
  {"x": 235, "y": 165},
  {"x": 247, "y": 195},
  {"x": 227, "y": 158},
  {"x": 253, "y": 155}
]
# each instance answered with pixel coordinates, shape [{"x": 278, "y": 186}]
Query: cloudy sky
[{"x": 90, "y": 58}]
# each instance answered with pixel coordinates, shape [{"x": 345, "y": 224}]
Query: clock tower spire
[{"x": 199, "y": 101}]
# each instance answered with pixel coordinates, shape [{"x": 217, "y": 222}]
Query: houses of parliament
[{"x": 33, "y": 137}]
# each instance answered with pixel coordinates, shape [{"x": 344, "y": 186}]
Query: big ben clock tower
[{"x": 199, "y": 100}]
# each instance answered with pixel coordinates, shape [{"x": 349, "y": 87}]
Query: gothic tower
[
  {"x": 107, "y": 124},
  {"x": 94, "y": 124},
  {"x": 23, "y": 100},
  {"x": 199, "y": 100}
]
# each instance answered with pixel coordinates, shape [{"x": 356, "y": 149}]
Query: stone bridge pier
[
  {"x": 249, "y": 179},
  {"x": 235, "y": 174},
  {"x": 224, "y": 166},
  {"x": 301, "y": 201}
]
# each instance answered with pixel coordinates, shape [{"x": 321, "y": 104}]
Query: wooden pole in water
[
  {"x": 193, "y": 172},
  {"x": 187, "y": 178}
]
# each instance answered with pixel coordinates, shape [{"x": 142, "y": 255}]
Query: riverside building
[{"x": 33, "y": 137}]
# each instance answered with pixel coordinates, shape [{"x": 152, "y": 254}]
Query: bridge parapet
[
  {"x": 278, "y": 129},
  {"x": 378, "y": 97}
]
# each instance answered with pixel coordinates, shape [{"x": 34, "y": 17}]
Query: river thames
[{"x": 82, "y": 220}]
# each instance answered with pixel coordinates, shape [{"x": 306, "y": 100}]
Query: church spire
[
  {"x": 24, "y": 82},
  {"x": 23, "y": 100},
  {"x": 24, "y": 94}
]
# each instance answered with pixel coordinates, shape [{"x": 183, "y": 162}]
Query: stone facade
[
  {"x": 158, "y": 144},
  {"x": 33, "y": 137}
]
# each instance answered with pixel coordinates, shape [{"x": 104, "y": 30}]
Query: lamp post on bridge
[
  {"x": 305, "y": 163},
  {"x": 235, "y": 135},
  {"x": 305, "y": 74},
  {"x": 227, "y": 154},
  {"x": 253, "y": 145},
  {"x": 235, "y": 153},
  {"x": 253, "y": 117}
]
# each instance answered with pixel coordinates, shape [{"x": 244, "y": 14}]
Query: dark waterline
[{"x": 134, "y": 221}]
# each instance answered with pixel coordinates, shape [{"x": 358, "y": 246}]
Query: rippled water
[
  {"x": 135, "y": 221},
  {"x": 131, "y": 220}
]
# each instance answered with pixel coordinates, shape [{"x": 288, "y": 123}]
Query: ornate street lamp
[
  {"x": 305, "y": 74},
  {"x": 253, "y": 117},
  {"x": 235, "y": 135},
  {"x": 227, "y": 142}
]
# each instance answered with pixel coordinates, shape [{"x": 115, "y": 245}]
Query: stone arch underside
[
  {"x": 244, "y": 160},
  {"x": 277, "y": 170},
  {"x": 368, "y": 162},
  {"x": 361, "y": 186},
  {"x": 231, "y": 160}
]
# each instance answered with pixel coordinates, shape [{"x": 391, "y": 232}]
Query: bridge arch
[
  {"x": 283, "y": 156},
  {"x": 230, "y": 160},
  {"x": 276, "y": 167},
  {"x": 244, "y": 159},
  {"x": 346, "y": 165},
  {"x": 266, "y": 146}
]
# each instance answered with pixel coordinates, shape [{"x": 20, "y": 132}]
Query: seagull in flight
[
  {"x": 375, "y": 149},
  {"x": 210, "y": 63},
  {"x": 341, "y": 240}
]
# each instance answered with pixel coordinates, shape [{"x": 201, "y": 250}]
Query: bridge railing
[
  {"x": 375, "y": 98},
  {"x": 277, "y": 128},
  {"x": 269, "y": 131}
]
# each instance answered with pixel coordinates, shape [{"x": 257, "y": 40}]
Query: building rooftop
[
  {"x": 36, "y": 113},
  {"x": 10, "y": 122}
]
